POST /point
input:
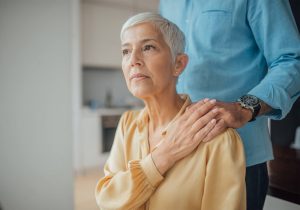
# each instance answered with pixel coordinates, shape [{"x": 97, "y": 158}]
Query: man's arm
[
  {"x": 277, "y": 37},
  {"x": 281, "y": 48}
]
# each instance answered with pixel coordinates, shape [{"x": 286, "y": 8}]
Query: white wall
[{"x": 36, "y": 64}]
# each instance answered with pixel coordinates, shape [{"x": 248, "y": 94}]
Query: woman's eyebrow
[
  {"x": 148, "y": 40},
  {"x": 141, "y": 41},
  {"x": 125, "y": 45}
]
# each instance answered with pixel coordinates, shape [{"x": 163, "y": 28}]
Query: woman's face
[{"x": 147, "y": 62}]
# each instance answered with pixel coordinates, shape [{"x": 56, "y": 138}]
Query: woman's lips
[{"x": 138, "y": 76}]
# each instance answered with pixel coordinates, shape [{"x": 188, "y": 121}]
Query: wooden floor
[{"x": 85, "y": 183}]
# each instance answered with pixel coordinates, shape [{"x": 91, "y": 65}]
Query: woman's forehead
[{"x": 142, "y": 31}]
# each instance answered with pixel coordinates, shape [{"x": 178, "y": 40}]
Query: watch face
[{"x": 250, "y": 100}]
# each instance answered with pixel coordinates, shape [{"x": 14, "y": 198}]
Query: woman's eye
[
  {"x": 148, "y": 47},
  {"x": 125, "y": 52}
]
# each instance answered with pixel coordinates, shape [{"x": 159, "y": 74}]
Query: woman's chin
[{"x": 140, "y": 94}]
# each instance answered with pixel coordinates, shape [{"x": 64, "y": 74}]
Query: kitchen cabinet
[
  {"x": 90, "y": 140},
  {"x": 92, "y": 148},
  {"x": 101, "y": 22},
  {"x": 284, "y": 172}
]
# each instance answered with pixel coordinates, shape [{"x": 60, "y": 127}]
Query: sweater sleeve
[
  {"x": 126, "y": 184},
  {"x": 225, "y": 174}
]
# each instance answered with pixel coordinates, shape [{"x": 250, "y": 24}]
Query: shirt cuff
[{"x": 151, "y": 171}]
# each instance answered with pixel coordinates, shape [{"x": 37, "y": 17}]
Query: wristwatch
[{"x": 252, "y": 103}]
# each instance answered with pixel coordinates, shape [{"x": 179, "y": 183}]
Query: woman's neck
[{"x": 162, "y": 110}]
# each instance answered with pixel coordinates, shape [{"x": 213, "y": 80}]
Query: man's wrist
[
  {"x": 265, "y": 108},
  {"x": 251, "y": 103},
  {"x": 245, "y": 113}
]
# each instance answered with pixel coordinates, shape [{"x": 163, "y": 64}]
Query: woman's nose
[{"x": 135, "y": 58}]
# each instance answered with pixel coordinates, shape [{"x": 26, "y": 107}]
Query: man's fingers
[{"x": 219, "y": 128}]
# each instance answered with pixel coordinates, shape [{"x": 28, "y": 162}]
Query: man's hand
[
  {"x": 230, "y": 115},
  {"x": 233, "y": 114}
]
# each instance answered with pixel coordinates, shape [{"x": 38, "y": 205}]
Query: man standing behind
[{"x": 246, "y": 54}]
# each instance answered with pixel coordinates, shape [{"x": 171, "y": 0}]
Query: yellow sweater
[{"x": 212, "y": 177}]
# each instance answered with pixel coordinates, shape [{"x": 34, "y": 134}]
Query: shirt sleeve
[
  {"x": 225, "y": 174},
  {"x": 126, "y": 185},
  {"x": 277, "y": 37}
]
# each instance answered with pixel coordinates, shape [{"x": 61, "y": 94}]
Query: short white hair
[{"x": 172, "y": 35}]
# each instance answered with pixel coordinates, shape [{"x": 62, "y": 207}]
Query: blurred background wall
[{"x": 37, "y": 64}]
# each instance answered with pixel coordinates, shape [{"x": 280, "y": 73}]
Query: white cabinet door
[
  {"x": 90, "y": 141},
  {"x": 101, "y": 27}
]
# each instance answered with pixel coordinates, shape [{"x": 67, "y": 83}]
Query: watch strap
[
  {"x": 252, "y": 103},
  {"x": 255, "y": 113}
]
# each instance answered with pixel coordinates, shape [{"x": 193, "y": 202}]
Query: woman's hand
[{"x": 185, "y": 134}]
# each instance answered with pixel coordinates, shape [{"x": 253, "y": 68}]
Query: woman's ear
[{"x": 180, "y": 64}]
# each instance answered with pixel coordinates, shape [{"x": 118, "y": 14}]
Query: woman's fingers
[
  {"x": 193, "y": 105},
  {"x": 203, "y": 132},
  {"x": 198, "y": 110},
  {"x": 218, "y": 129},
  {"x": 204, "y": 120}
]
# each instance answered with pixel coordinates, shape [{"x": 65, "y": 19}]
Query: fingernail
[
  {"x": 212, "y": 101},
  {"x": 206, "y": 100},
  {"x": 215, "y": 110}
]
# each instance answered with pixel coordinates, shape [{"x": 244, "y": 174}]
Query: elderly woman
[{"x": 155, "y": 162}]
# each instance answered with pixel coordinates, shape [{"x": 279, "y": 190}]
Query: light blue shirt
[{"x": 237, "y": 47}]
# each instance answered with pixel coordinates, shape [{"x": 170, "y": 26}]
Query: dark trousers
[{"x": 257, "y": 182}]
